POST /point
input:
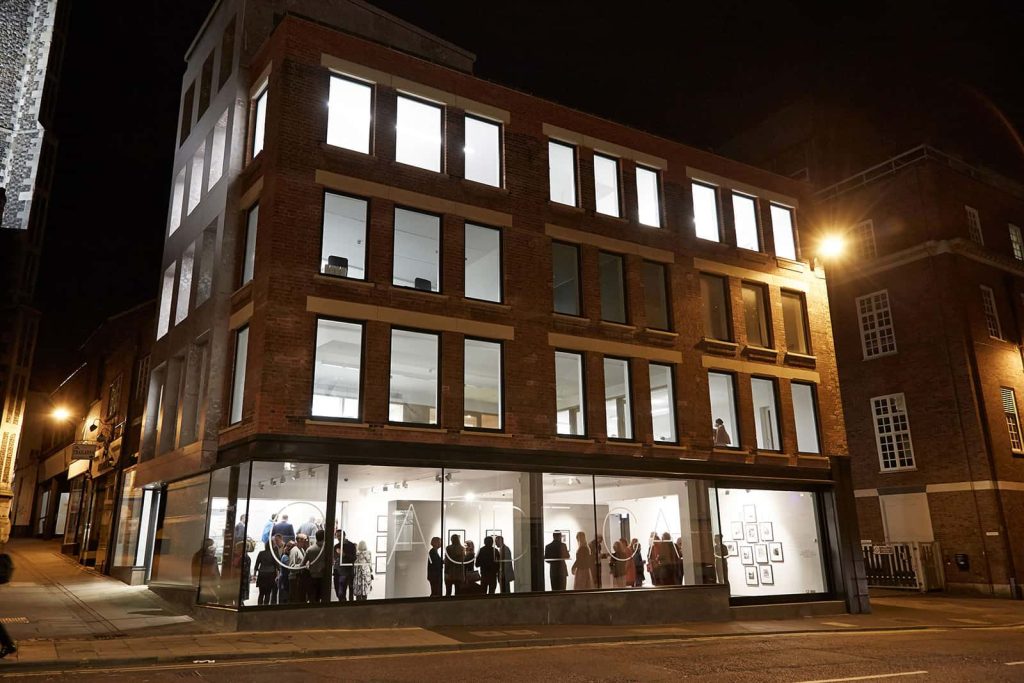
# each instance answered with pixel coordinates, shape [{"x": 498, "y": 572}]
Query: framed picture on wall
[
  {"x": 761, "y": 553},
  {"x": 766, "y": 574},
  {"x": 767, "y": 533},
  {"x": 775, "y": 552},
  {"x": 751, "y": 533},
  {"x": 382, "y": 544},
  {"x": 746, "y": 555},
  {"x": 380, "y": 564},
  {"x": 733, "y": 548},
  {"x": 749, "y": 513},
  {"x": 382, "y": 524},
  {"x": 566, "y": 538},
  {"x": 461, "y": 533},
  {"x": 737, "y": 531},
  {"x": 493, "y": 533},
  {"x": 751, "y": 575}
]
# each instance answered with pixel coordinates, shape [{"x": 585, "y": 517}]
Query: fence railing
[{"x": 914, "y": 565}]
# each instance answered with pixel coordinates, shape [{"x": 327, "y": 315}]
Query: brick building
[{"x": 409, "y": 304}]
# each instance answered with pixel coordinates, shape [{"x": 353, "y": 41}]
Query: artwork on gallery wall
[
  {"x": 746, "y": 555},
  {"x": 382, "y": 544},
  {"x": 461, "y": 533},
  {"x": 382, "y": 524},
  {"x": 380, "y": 565},
  {"x": 749, "y": 513},
  {"x": 566, "y": 538},
  {"x": 767, "y": 533},
  {"x": 751, "y": 575},
  {"x": 733, "y": 548},
  {"x": 761, "y": 553},
  {"x": 493, "y": 533},
  {"x": 737, "y": 531},
  {"x": 775, "y": 552},
  {"x": 751, "y": 533},
  {"x": 766, "y": 574}
]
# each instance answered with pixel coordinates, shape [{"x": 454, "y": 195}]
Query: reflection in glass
[
  {"x": 655, "y": 296},
  {"x": 745, "y": 216},
  {"x": 225, "y": 561},
  {"x": 794, "y": 317},
  {"x": 179, "y": 549},
  {"x": 483, "y": 263},
  {"x": 755, "y": 315},
  {"x": 805, "y": 414}
]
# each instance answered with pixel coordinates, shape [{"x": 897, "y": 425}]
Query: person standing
[
  {"x": 488, "y": 563},
  {"x": 240, "y": 529},
  {"x": 363, "y": 572},
  {"x": 298, "y": 574},
  {"x": 268, "y": 529},
  {"x": 555, "y": 554},
  {"x": 346, "y": 570},
  {"x": 309, "y": 528},
  {"x": 454, "y": 569},
  {"x": 266, "y": 576},
  {"x": 507, "y": 572},
  {"x": 316, "y": 564},
  {"x": 435, "y": 568},
  {"x": 284, "y": 528},
  {"x": 721, "y": 559},
  {"x": 638, "y": 563},
  {"x": 583, "y": 567},
  {"x": 720, "y": 433},
  {"x": 284, "y": 580},
  {"x": 679, "y": 561}
]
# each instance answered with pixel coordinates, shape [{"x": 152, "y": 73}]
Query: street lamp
[
  {"x": 831, "y": 246},
  {"x": 61, "y": 414}
]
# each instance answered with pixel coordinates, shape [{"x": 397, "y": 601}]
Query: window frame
[
  {"x": 792, "y": 231},
  {"x": 878, "y": 436},
  {"x": 865, "y": 227},
  {"x": 401, "y": 94},
  {"x": 766, "y": 310},
  {"x": 263, "y": 91},
  {"x": 658, "y": 198},
  {"x": 874, "y": 314},
  {"x": 1013, "y": 429},
  {"x": 988, "y": 300},
  {"x": 575, "y": 172},
  {"x": 804, "y": 319},
  {"x": 666, "y": 283},
  {"x": 362, "y": 366},
  {"x": 234, "y": 374},
  {"x": 242, "y": 282},
  {"x": 366, "y": 236},
  {"x": 618, "y": 185},
  {"x": 371, "y": 133},
  {"x": 501, "y": 149},
  {"x": 718, "y": 210},
  {"x": 730, "y": 327},
  {"x": 629, "y": 395},
  {"x": 579, "y": 280},
  {"x": 736, "y": 444},
  {"x": 440, "y": 248},
  {"x": 758, "y": 237},
  {"x": 501, "y": 384},
  {"x": 582, "y": 355},
  {"x": 625, "y": 287},
  {"x": 774, "y": 381},
  {"x": 1016, "y": 241},
  {"x": 671, "y": 367},
  {"x": 501, "y": 262},
  {"x": 974, "y": 224},
  {"x": 437, "y": 382},
  {"x": 816, "y": 414}
]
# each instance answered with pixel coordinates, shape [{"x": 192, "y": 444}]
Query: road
[{"x": 969, "y": 654}]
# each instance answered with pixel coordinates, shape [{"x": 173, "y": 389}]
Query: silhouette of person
[{"x": 555, "y": 554}]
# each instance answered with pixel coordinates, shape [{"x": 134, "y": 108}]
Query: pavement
[{"x": 66, "y": 617}]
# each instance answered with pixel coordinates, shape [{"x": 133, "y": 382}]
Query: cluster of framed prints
[{"x": 762, "y": 551}]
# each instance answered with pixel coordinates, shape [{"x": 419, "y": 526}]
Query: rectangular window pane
[
  {"x": 418, "y": 140},
  {"x": 647, "y": 195},
  {"x": 249, "y": 256},
  {"x": 238, "y": 376},
  {"x": 222, "y": 572},
  {"x": 663, "y": 404},
  {"x": 417, "y": 250},
  {"x": 259, "y": 123},
  {"x": 613, "y": 288},
  {"x": 565, "y": 278},
  {"x": 755, "y": 314},
  {"x": 482, "y": 385},
  {"x": 195, "y": 185},
  {"x": 805, "y": 415},
  {"x": 414, "y": 374},
  {"x": 483, "y": 151},
  {"x": 705, "y": 212},
  {"x": 782, "y": 229},
  {"x": 892, "y": 432},
  {"x": 483, "y": 263},
  {"x": 863, "y": 240},
  {"x": 185, "y": 284},
  {"x": 988, "y": 302},
  {"x": 655, "y": 296},
  {"x": 572, "y": 549},
  {"x": 713, "y": 291},
  {"x": 877, "y": 334},
  {"x": 1016, "y": 242},
  {"x": 562, "y": 173},
  {"x": 1012, "y": 419},
  {"x": 343, "y": 249},
  {"x": 177, "y": 197},
  {"x": 725, "y": 428},
  {"x": 181, "y": 533},
  {"x": 974, "y": 224},
  {"x": 744, "y": 211},
  {"x": 794, "y": 318},
  {"x": 766, "y": 414},
  {"x": 220, "y": 133},
  {"x": 336, "y": 371},
  {"x": 617, "y": 404},
  {"x": 163, "y": 321},
  {"x": 571, "y": 419},
  {"x": 349, "y": 114},
  {"x": 606, "y": 185}
]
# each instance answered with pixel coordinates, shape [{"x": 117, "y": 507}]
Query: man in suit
[
  {"x": 487, "y": 561},
  {"x": 435, "y": 568},
  {"x": 285, "y": 528},
  {"x": 240, "y": 529},
  {"x": 555, "y": 554},
  {"x": 506, "y": 572},
  {"x": 345, "y": 570},
  {"x": 454, "y": 569}
]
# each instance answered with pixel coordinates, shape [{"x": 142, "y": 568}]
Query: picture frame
[
  {"x": 733, "y": 549},
  {"x": 766, "y": 531},
  {"x": 380, "y": 565},
  {"x": 461, "y": 533},
  {"x": 746, "y": 555},
  {"x": 766, "y": 575},
  {"x": 775, "y": 552},
  {"x": 749, "y": 513},
  {"x": 382, "y": 544},
  {"x": 750, "y": 574},
  {"x": 761, "y": 553},
  {"x": 493, "y": 533},
  {"x": 737, "y": 531},
  {"x": 565, "y": 538},
  {"x": 382, "y": 524},
  {"x": 750, "y": 533}
]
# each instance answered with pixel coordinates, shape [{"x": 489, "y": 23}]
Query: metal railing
[{"x": 914, "y": 565}]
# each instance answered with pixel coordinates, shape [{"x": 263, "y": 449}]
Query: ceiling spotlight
[
  {"x": 437, "y": 477},
  {"x": 273, "y": 482},
  {"x": 385, "y": 487},
  {"x": 260, "y": 485},
  {"x": 311, "y": 473},
  {"x": 405, "y": 484},
  {"x": 448, "y": 476}
]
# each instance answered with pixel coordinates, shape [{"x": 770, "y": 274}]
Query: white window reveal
[
  {"x": 877, "y": 335},
  {"x": 988, "y": 302},
  {"x": 892, "y": 432}
]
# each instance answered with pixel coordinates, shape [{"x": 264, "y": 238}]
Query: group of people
[
  {"x": 464, "y": 571},
  {"x": 625, "y": 563}
]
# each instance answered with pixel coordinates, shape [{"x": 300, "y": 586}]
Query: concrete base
[
  {"x": 788, "y": 610},
  {"x": 133, "y": 576},
  {"x": 999, "y": 590}
]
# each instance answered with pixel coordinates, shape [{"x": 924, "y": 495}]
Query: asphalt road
[{"x": 978, "y": 654}]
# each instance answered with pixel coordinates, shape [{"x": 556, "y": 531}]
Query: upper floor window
[
  {"x": 177, "y": 198},
  {"x": 420, "y": 133},
  {"x": 656, "y": 304},
  {"x": 562, "y": 173},
  {"x": 483, "y": 151},
  {"x": 350, "y": 114},
  {"x": 606, "y": 186},
  {"x": 805, "y": 415},
  {"x": 663, "y": 405},
  {"x": 482, "y": 394},
  {"x": 185, "y": 284},
  {"x": 988, "y": 303},
  {"x": 417, "y": 250},
  {"x": 249, "y": 253},
  {"x": 744, "y": 212},
  {"x": 195, "y": 186},
  {"x": 414, "y": 377},
  {"x": 877, "y": 336},
  {"x": 483, "y": 263},
  {"x": 794, "y": 319},
  {"x": 892, "y": 432},
  {"x": 648, "y": 194},
  {"x": 163, "y": 320},
  {"x": 766, "y": 414},
  {"x": 714, "y": 291},
  {"x": 259, "y": 119},
  {"x": 238, "y": 374},
  {"x": 705, "y": 212},
  {"x": 974, "y": 224},
  {"x": 565, "y": 267},
  {"x": 613, "y": 287},
  {"x": 863, "y": 245},
  {"x": 755, "y": 314},
  {"x": 570, "y": 414},
  {"x": 617, "y": 409},
  {"x": 336, "y": 369},
  {"x": 782, "y": 230},
  {"x": 725, "y": 426},
  {"x": 1016, "y": 242},
  {"x": 343, "y": 244},
  {"x": 217, "y": 150},
  {"x": 1012, "y": 419}
]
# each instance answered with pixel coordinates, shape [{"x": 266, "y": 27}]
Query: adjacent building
[{"x": 400, "y": 304}]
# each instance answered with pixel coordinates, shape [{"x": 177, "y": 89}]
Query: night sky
[{"x": 691, "y": 71}]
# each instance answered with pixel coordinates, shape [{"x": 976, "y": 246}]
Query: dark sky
[{"x": 693, "y": 71}]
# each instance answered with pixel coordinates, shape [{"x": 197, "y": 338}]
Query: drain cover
[{"x": 13, "y": 620}]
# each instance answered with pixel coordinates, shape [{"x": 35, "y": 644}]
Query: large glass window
[
  {"x": 415, "y": 364},
  {"x": 618, "y": 408},
  {"x": 570, "y": 409},
  {"x": 782, "y": 229},
  {"x": 336, "y": 370},
  {"x": 343, "y": 249},
  {"x": 483, "y": 151},
  {"x": 877, "y": 334},
  {"x": 259, "y": 122},
  {"x": 238, "y": 374},
  {"x": 794, "y": 319},
  {"x": 225, "y": 566},
  {"x": 892, "y": 432},
  {"x": 349, "y": 114},
  {"x": 420, "y": 133},
  {"x": 656, "y": 296},
  {"x": 613, "y": 287},
  {"x": 249, "y": 254},
  {"x": 715, "y": 298},
  {"x": 705, "y": 212},
  {"x": 177, "y": 197},
  {"x": 483, "y": 263},
  {"x": 571, "y": 545},
  {"x": 744, "y": 211},
  {"x": 180, "y": 550},
  {"x": 725, "y": 426},
  {"x": 648, "y": 195},
  {"x": 606, "y": 185},
  {"x": 805, "y": 414},
  {"x": 663, "y": 403},
  {"x": 195, "y": 186},
  {"x": 766, "y": 414},
  {"x": 163, "y": 320},
  {"x": 562, "y": 172},
  {"x": 755, "y": 314},
  {"x": 185, "y": 284},
  {"x": 482, "y": 397},
  {"x": 417, "y": 250},
  {"x": 565, "y": 266}
]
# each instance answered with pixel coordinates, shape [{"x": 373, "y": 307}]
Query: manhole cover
[{"x": 13, "y": 620}]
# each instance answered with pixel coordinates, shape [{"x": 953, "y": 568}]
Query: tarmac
[{"x": 67, "y": 617}]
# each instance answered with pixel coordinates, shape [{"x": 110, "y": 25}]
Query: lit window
[
  {"x": 481, "y": 401},
  {"x": 892, "y": 432},
  {"x": 259, "y": 122},
  {"x": 766, "y": 414},
  {"x": 483, "y": 151},
  {"x": 418, "y": 141},
  {"x": 195, "y": 186},
  {"x": 724, "y": 427},
  {"x": 755, "y": 314},
  {"x": 177, "y": 197},
  {"x": 655, "y": 296},
  {"x": 606, "y": 185},
  {"x": 562, "y": 172},
  {"x": 417, "y": 250},
  {"x": 877, "y": 336},
  {"x": 570, "y": 415},
  {"x": 794, "y": 320},
  {"x": 647, "y": 193},
  {"x": 617, "y": 409},
  {"x": 343, "y": 247},
  {"x": 217, "y": 150},
  {"x": 663, "y": 404},
  {"x": 782, "y": 230},
  {"x": 565, "y": 278},
  {"x": 414, "y": 377},
  {"x": 249, "y": 254},
  {"x": 805, "y": 415},
  {"x": 705, "y": 212},
  {"x": 613, "y": 287},
  {"x": 163, "y": 321},
  {"x": 863, "y": 246},
  {"x": 1012, "y": 419},
  {"x": 974, "y": 224},
  {"x": 184, "y": 284},
  {"x": 1016, "y": 242},
  {"x": 483, "y": 263},
  {"x": 238, "y": 374},
  {"x": 349, "y": 114},
  {"x": 336, "y": 371},
  {"x": 715, "y": 299},
  {"x": 744, "y": 211},
  {"x": 988, "y": 302}
]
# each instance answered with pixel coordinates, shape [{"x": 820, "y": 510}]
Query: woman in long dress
[
  {"x": 583, "y": 567},
  {"x": 363, "y": 576}
]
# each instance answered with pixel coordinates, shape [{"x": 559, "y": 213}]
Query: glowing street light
[
  {"x": 61, "y": 413},
  {"x": 831, "y": 246}
]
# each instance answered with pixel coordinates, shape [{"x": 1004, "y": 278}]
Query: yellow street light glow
[
  {"x": 831, "y": 246},
  {"x": 61, "y": 414}
]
